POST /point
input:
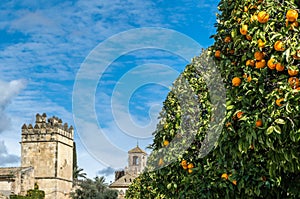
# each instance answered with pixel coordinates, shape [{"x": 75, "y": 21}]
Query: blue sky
[{"x": 44, "y": 43}]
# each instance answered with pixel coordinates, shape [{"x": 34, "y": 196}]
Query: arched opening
[{"x": 135, "y": 160}]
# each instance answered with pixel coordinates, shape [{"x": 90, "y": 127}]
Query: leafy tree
[
  {"x": 78, "y": 174},
  {"x": 94, "y": 189},
  {"x": 257, "y": 52}
]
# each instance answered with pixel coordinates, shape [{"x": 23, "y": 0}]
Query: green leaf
[
  {"x": 288, "y": 108},
  {"x": 277, "y": 129},
  {"x": 270, "y": 130},
  {"x": 279, "y": 121},
  {"x": 230, "y": 107},
  {"x": 169, "y": 186}
]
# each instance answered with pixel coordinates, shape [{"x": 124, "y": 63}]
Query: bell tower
[
  {"x": 47, "y": 146},
  {"x": 137, "y": 159}
]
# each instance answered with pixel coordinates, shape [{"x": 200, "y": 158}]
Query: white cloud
[{"x": 57, "y": 37}]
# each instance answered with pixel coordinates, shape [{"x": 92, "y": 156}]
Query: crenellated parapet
[{"x": 51, "y": 129}]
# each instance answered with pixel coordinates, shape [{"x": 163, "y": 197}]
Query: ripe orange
[
  {"x": 294, "y": 82},
  {"x": 160, "y": 162},
  {"x": 250, "y": 62},
  {"x": 260, "y": 64},
  {"x": 292, "y": 15},
  {"x": 244, "y": 29},
  {"x": 294, "y": 24},
  {"x": 258, "y": 55},
  {"x": 293, "y": 72},
  {"x": 253, "y": 18},
  {"x": 278, "y": 46},
  {"x": 227, "y": 39},
  {"x": 279, "y": 67},
  {"x": 249, "y": 79},
  {"x": 224, "y": 176},
  {"x": 263, "y": 17},
  {"x": 239, "y": 114},
  {"x": 278, "y": 101},
  {"x": 245, "y": 9},
  {"x": 218, "y": 54},
  {"x": 271, "y": 64},
  {"x": 191, "y": 165},
  {"x": 236, "y": 81},
  {"x": 234, "y": 182},
  {"x": 183, "y": 163},
  {"x": 297, "y": 55},
  {"x": 166, "y": 143},
  {"x": 258, "y": 123},
  {"x": 261, "y": 44},
  {"x": 190, "y": 170}
]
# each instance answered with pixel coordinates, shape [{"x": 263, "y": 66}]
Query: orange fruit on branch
[
  {"x": 294, "y": 82},
  {"x": 258, "y": 123},
  {"x": 218, "y": 54},
  {"x": 261, "y": 44},
  {"x": 278, "y": 46},
  {"x": 224, "y": 176},
  {"x": 292, "y": 15},
  {"x": 293, "y": 72},
  {"x": 260, "y": 64},
  {"x": 259, "y": 55},
  {"x": 250, "y": 62},
  {"x": 183, "y": 163},
  {"x": 271, "y": 64},
  {"x": 227, "y": 39},
  {"x": 236, "y": 81},
  {"x": 166, "y": 143},
  {"x": 239, "y": 114},
  {"x": 253, "y": 18},
  {"x": 191, "y": 165},
  {"x": 190, "y": 170},
  {"x": 160, "y": 162},
  {"x": 234, "y": 182},
  {"x": 244, "y": 29},
  {"x": 279, "y": 67},
  {"x": 263, "y": 17}
]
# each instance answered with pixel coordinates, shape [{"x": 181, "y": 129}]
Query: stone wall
[{"x": 48, "y": 147}]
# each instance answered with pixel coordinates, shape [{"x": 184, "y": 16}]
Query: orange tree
[{"x": 257, "y": 51}]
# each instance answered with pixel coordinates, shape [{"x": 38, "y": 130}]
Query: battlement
[{"x": 47, "y": 129}]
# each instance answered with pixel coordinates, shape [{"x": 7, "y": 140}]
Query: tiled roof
[
  {"x": 124, "y": 182},
  {"x": 137, "y": 149}
]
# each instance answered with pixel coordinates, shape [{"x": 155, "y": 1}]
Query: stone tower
[
  {"x": 137, "y": 159},
  {"x": 48, "y": 148}
]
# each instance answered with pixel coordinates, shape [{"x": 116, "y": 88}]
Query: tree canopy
[{"x": 257, "y": 52}]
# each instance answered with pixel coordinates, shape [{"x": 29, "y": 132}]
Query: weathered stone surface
[{"x": 46, "y": 159}]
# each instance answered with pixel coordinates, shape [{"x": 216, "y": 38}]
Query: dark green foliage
[
  {"x": 255, "y": 161},
  {"x": 94, "y": 189}
]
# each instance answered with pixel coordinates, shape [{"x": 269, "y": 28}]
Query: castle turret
[{"x": 48, "y": 147}]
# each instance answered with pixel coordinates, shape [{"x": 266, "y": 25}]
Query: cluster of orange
[
  {"x": 259, "y": 61},
  {"x": 187, "y": 166},
  {"x": 226, "y": 176}
]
